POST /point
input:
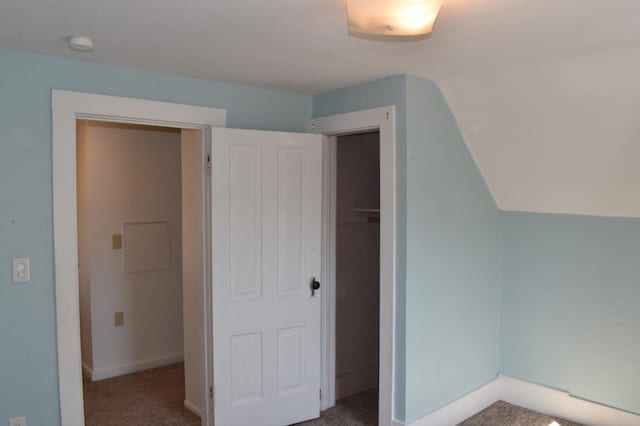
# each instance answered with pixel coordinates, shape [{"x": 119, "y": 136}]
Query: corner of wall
[
  {"x": 500, "y": 288},
  {"x": 453, "y": 233}
]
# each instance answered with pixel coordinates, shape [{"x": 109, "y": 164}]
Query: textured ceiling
[
  {"x": 545, "y": 91},
  {"x": 302, "y": 45}
]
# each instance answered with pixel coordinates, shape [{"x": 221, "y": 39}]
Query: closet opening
[{"x": 357, "y": 274}]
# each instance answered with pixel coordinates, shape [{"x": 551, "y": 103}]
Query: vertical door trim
[
  {"x": 67, "y": 107},
  {"x": 329, "y": 205},
  {"x": 382, "y": 119}
]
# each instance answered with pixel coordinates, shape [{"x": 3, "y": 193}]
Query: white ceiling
[
  {"x": 302, "y": 45},
  {"x": 545, "y": 91}
]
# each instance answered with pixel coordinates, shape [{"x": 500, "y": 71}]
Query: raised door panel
[
  {"x": 291, "y": 221},
  {"x": 292, "y": 348},
  {"x": 245, "y": 222},
  {"x": 246, "y": 368}
]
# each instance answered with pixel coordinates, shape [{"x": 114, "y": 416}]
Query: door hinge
[
  {"x": 320, "y": 394},
  {"x": 211, "y": 393},
  {"x": 208, "y": 164}
]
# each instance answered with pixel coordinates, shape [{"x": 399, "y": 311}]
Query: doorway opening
[
  {"x": 357, "y": 273},
  {"x": 141, "y": 269},
  {"x": 380, "y": 120},
  {"x": 66, "y": 108}
]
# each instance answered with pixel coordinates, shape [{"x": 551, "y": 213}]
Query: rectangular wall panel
[
  {"x": 291, "y": 359},
  {"x": 246, "y": 368},
  {"x": 245, "y": 227},
  {"x": 291, "y": 219},
  {"x": 147, "y": 246}
]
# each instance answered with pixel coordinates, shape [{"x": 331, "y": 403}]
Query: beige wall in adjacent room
[
  {"x": 193, "y": 230},
  {"x": 128, "y": 174},
  {"x": 84, "y": 254}
]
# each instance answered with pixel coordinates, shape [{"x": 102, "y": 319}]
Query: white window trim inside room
[
  {"x": 380, "y": 119},
  {"x": 67, "y": 107}
]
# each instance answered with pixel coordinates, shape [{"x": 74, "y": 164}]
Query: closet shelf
[{"x": 371, "y": 212}]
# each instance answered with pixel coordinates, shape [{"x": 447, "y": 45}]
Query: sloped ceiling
[
  {"x": 560, "y": 136},
  {"x": 545, "y": 91}
]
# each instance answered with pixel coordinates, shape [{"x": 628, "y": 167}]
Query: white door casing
[
  {"x": 67, "y": 107},
  {"x": 267, "y": 189},
  {"x": 381, "y": 119}
]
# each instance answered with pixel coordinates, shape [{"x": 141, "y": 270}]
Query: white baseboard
[
  {"x": 465, "y": 407},
  {"x": 193, "y": 408},
  {"x": 108, "y": 372},
  {"x": 562, "y": 404},
  {"x": 356, "y": 381},
  {"x": 528, "y": 395},
  {"x": 87, "y": 371}
]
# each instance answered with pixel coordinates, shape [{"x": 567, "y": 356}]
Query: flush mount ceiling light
[
  {"x": 392, "y": 19},
  {"x": 81, "y": 43}
]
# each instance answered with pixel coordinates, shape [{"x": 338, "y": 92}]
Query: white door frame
[
  {"x": 383, "y": 120},
  {"x": 67, "y": 107}
]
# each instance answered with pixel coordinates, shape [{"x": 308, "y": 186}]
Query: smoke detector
[{"x": 81, "y": 43}]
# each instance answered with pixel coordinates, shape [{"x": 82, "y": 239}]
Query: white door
[{"x": 266, "y": 253}]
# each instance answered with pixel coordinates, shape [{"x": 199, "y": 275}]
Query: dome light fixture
[
  {"x": 81, "y": 43},
  {"x": 392, "y": 19}
]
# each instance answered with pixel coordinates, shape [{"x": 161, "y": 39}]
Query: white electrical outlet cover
[
  {"x": 21, "y": 270},
  {"x": 18, "y": 421}
]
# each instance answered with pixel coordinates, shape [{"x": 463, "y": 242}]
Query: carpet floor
[
  {"x": 504, "y": 414},
  {"x": 357, "y": 410},
  {"x": 151, "y": 397},
  {"x": 155, "y": 398}
]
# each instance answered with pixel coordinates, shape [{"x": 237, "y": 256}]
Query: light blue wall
[
  {"x": 453, "y": 258},
  {"x": 28, "y": 368},
  {"x": 387, "y": 91},
  {"x": 554, "y": 302},
  {"x": 569, "y": 300},
  {"x": 552, "y": 299},
  {"x": 571, "y": 305}
]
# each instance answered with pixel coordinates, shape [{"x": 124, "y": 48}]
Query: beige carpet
[
  {"x": 148, "y": 398},
  {"x": 505, "y": 414},
  {"x": 357, "y": 410},
  {"x": 155, "y": 398}
]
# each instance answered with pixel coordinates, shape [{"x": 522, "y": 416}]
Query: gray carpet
[
  {"x": 155, "y": 397},
  {"x": 362, "y": 410},
  {"x": 148, "y": 398},
  {"x": 505, "y": 414},
  {"x": 357, "y": 410}
]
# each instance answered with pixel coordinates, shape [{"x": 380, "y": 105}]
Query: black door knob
[{"x": 315, "y": 285}]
